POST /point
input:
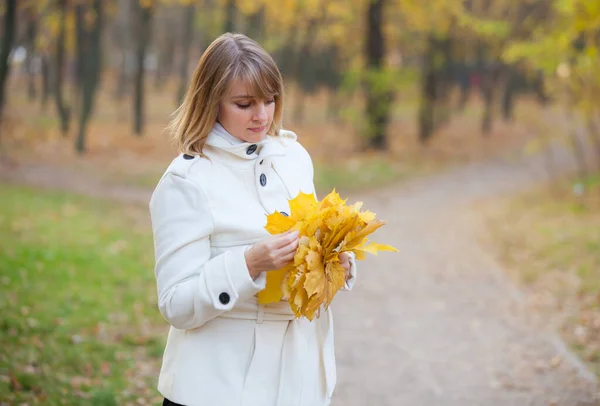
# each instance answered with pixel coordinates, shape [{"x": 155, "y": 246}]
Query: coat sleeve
[{"x": 192, "y": 287}]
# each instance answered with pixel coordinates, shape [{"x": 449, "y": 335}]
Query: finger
[
  {"x": 284, "y": 260},
  {"x": 289, "y": 248},
  {"x": 288, "y": 258},
  {"x": 284, "y": 239}
]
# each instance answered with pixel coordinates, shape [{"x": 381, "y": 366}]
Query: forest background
[{"x": 380, "y": 92}]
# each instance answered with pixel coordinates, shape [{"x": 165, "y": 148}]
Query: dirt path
[{"x": 437, "y": 323}]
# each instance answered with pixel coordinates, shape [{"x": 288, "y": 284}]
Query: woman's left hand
[{"x": 345, "y": 262}]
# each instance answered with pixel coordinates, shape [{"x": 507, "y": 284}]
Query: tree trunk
[
  {"x": 188, "y": 33},
  {"x": 81, "y": 45},
  {"x": 30, "y": 61},
  {"x": 91, "y": 74},
  {"x": 5, "y": 48},
  {"x": 488, "y": 83},
  {"x": 46, "y": 83},
  {"x": 594, "y": 134},
  {"x": 540, "y": 89},
  {"x": 305, "y": 72},
  {"x": 166, "y": 55},
  {"x": 378, "y": 98},
  {"x": 256, "y": 25},
  {"x": 64, "y": 112},
  {"x": 230, "y": 12},
  {"x": 124, "y": 43},
  {"x": 428, "y": 93},
  {"x": 144, "y": 16},
  {"x": 443, "y": 82},
  {"x": 464, "y": 83},
  {"x": 508, "y": 95}
]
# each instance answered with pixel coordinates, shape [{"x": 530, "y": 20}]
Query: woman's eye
[
  {"x": 270, "y": 101},
  {"x": 243, "y": 106}
]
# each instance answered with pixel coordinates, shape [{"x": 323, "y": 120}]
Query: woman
[{"x": 212, "y": 251}]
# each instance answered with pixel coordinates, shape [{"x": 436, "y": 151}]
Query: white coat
[{"x": 223, "y": 347}]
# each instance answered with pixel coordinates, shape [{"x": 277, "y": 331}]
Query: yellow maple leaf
[
  {"x": 327, "y": 228},
  {"x": 278, "y": 223},
  {"x": 303, "y": 205},
  {"x": 272, "y": 292}
]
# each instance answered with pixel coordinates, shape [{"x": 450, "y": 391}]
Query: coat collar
[{"x": 238, "y": 152}]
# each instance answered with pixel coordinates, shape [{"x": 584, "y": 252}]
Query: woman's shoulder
[
  {"x": 290, "y": 141},
  {"x": 186, "y": 166},
  {"x": 288, "y": 137},
  {"x": 294, "y": 148}
]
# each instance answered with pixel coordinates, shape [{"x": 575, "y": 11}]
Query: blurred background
[{"x": 383, "y": 94}]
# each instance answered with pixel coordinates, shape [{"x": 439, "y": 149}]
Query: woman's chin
[{"x": 255, "y": 137}]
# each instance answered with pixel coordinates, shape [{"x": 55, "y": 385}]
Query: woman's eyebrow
[{"x": 244, "y": 96}]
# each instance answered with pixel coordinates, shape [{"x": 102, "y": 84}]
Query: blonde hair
[{"x": 227, "y": 58}]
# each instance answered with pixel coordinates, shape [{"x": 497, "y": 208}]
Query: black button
[
  {"x": 263, "y": 179},
  {"x": 224, "y": 298},
  {"x": 251, "y": 149},
  {"x": 186, "y": 156},
  {"x": 261, "y": 161},
  {"x": 284, "y": 213}
]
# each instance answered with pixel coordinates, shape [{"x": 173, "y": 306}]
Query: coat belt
[{"x": 294, "y": 346}]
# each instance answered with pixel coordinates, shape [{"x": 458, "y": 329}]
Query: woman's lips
[{"x": 258, "y": 129}]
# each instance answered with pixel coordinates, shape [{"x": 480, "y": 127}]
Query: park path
[{"x": 437, "y": 323}]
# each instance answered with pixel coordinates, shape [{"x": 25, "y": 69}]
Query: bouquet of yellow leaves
[{"x": 327, "y": 228}]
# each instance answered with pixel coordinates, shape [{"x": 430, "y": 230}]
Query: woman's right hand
[{"x": 272, "y": 252}]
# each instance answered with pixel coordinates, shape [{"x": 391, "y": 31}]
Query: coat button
[
  {"x": 186, "y": 156},
  {"x": 251, "y": 149},
  {"x": 263, "y": 179},
  {"x": 224, "y": 298}
]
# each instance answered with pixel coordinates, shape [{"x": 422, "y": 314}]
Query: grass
[
  {"x": 551, "y": 242},
  {"x": 78, "y": 301},
  {"x": 353, "y": 175},
  {"x": 364, "y": 173}
]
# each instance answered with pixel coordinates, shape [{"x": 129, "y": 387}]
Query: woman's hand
[
  {"x": 345, "y": 262},
  {"x": 271, "y": 253}
]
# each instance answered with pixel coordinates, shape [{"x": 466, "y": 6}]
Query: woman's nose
[{"x": 260, "y": 114}]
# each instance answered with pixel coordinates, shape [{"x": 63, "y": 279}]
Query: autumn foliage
[{"x": 327, "y": 228}]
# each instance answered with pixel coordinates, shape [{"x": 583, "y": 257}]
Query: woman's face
[{"x": 243, "y": 115}]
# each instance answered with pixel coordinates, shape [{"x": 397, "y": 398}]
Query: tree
[
  {"x": 189, "y": 12},
  {"x": 64, "y": 112},
  {"x": 230, "y": 13},
  {"x": 378, "y": 97},
  {"x": 91, "y": 71},
  {"x": 5, "y": 48},
  {"x": 256, "y": 22},
  {"x": 144, "y": 17},
  {"x": 30, "y": 36},
  {"x": 565, "y": 47},
  {"x": 123, "y": 41}
]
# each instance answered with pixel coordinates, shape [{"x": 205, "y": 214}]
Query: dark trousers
[{"x": 167, "y": 402}]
